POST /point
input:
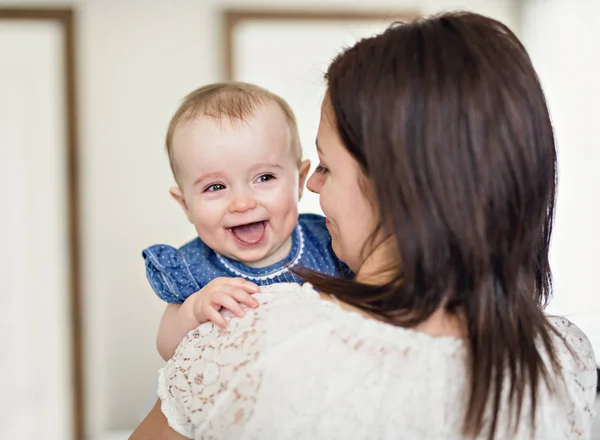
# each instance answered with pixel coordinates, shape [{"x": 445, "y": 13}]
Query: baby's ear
[
  {"x": 177, "y": 194},
  {"x": 303, "y": 174}
]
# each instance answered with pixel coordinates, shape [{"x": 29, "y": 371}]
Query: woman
[{"x": 437, "y": 177}]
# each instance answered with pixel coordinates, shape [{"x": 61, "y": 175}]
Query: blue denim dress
[{"x": 175, "y": 274}]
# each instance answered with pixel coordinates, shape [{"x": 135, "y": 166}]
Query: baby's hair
[{"x": 233, "y": 100}]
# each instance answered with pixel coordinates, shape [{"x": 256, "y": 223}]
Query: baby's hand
[{"x": 223, "y": 292}]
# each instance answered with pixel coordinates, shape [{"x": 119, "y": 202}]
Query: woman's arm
[{"x": 155, "y": 427}]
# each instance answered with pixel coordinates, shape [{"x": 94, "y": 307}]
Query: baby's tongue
[{"x": 250, "y": 233}]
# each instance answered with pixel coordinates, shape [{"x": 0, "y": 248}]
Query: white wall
[{"x": 562, "y": 38}]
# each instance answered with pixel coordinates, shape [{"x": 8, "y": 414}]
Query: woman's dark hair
[{"x": 447, "y": 119}]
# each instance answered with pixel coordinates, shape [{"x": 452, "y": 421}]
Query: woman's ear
[
  {"x": 177, "y": 194},
  {"x": 303, "y": 174}
]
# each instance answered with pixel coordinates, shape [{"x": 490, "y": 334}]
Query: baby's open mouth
[{"x": 251, "y": 233}]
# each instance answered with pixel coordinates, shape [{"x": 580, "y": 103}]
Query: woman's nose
[{"x": 314, "y": 183}]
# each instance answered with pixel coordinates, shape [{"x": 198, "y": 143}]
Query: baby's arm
[
  {"x": 174, "y": 325},
  {"x": 201, "y": 307}
]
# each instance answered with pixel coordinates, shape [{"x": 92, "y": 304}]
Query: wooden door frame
[
  {"x": 66, "y": 18},
  {"x": 233, "y": 16}
]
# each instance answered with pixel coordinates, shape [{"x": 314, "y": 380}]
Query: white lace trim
[{"x": 271, "y": 275}]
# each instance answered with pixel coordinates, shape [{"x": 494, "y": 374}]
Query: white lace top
[{"x": 299, "y": 367}]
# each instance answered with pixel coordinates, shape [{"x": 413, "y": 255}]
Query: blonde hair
[{"x": 234, "y": 100}]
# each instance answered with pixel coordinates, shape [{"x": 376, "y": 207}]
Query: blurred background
[{"x": 87, "y": 88}]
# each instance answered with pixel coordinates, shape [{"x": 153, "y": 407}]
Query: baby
[{"x": 235, "y": 153}]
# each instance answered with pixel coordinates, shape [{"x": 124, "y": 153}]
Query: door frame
[
  {"x": 65, "y": 17},
  {"x": 231, "y": 17}
]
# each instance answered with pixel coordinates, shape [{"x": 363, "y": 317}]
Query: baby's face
[{"x": 240, "y": 184}]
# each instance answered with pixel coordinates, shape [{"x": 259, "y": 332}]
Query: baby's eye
[
  {"x": 215, "y": 187},
  {"x": 265, "y": 178},
  {"x": 321, "y": 169}
]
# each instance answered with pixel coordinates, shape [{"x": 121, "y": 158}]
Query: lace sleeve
[
  {"x": 579, "y": 366},
  {"x": 211, "y": 382}
]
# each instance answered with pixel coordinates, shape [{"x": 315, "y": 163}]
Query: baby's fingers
[
  {"x": 244, "y": 298},
  {"x": 248, "y": 286},
  {"x": 213, "y": 315},
  {"x": 231, "y": 304}
]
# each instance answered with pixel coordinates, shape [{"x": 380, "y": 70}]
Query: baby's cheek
[
  {"x": 286, "y": 199},
  {"x": 208, "y": 214}
]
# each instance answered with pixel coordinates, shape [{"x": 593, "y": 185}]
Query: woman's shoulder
[
  {"x": 229, "y": 381},
  {"x": 569, "y": 329},
  {"x": 578, "y": 363},
  {"x": 573, "y": 346},
  {"x": 221, "y": 367},
  {"x": 279, "y": 306}
]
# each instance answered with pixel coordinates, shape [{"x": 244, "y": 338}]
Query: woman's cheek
[{"x": 325, "y": 205}]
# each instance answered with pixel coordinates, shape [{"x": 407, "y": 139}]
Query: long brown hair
[{"x": 447, "y": 119}]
